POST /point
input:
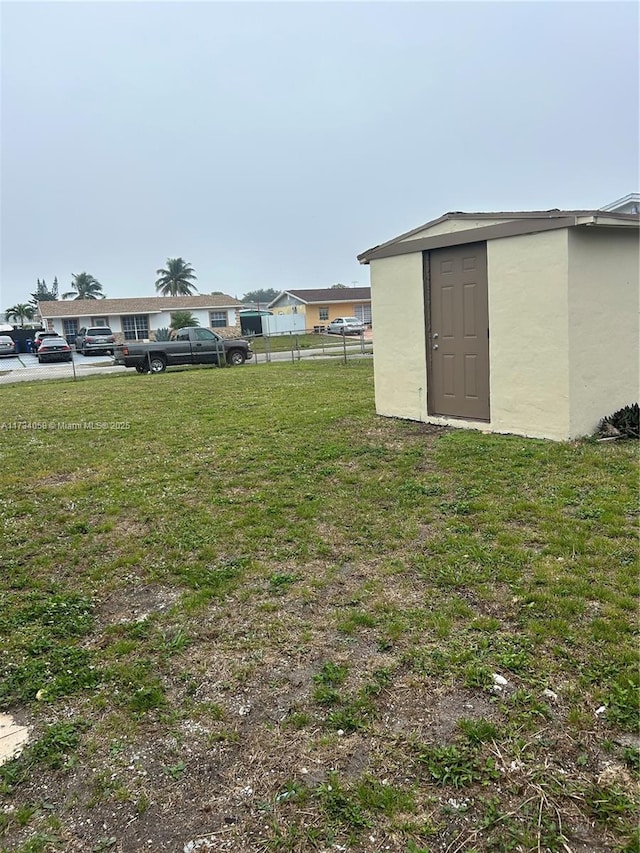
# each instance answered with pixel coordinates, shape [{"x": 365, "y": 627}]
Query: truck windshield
[{"x": 204, "y": 335}]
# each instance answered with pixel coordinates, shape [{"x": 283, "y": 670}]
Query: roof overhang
[{"x": 509, "y": 228}]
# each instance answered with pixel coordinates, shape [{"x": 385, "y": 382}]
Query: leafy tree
[
  {"x": 266, "y": 295},
  {"x": 182, "y": 319},
  {"x": 177, "y": 279},
  {"x": 43, "y": 294},
  {"x": 338, "y": 286},
  {"x": 84, "y": 286},
  {"x": 20, "y": 312}
]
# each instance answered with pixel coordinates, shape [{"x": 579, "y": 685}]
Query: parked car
[
  {"x": 41, "y": 335},
  {"x": 193, "y": 345},
  {"x": 346, "y": 326},
  {"x": 95, "y": 340},
  {"x": 54, "y": 349},
  {"x": 7, "y": 345}
]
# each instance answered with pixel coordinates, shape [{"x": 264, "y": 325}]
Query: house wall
[
  {"x": 157, "y": 320},
  {"x": 341, "y": 309},
  {"x": 285, "y": 305},
  {"x": 604, "y": 345},
  {"x": 399, "y": 361},
  {"x": 311, "y": 313}
]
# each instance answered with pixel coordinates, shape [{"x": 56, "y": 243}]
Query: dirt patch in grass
[
  {"x": 135, "y": 603},
  {"x": 426, "y": 712}
]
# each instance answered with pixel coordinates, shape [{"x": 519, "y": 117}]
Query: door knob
[{"x": 435, "y": 346}]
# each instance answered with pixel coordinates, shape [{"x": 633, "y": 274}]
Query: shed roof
[
  {"x": 510, "y": 224},
  {"x": 136, "y": 305}
]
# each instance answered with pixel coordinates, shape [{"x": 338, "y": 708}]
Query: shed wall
[
  {"x": 529, "y": 334},
  {"x": 398, "y": 311},
  {"x": 604, "y": 346}
]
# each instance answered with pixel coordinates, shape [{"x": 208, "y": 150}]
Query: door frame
[{"x": 426, "y": 287}]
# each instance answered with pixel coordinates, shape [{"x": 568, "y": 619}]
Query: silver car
[
  {"x": 346, "y": 326},
  {"x": 7, "y": 345},
  {"x": 95, "y": 339}
]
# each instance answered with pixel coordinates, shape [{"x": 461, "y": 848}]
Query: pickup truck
[{"x": 193, "y": 345}]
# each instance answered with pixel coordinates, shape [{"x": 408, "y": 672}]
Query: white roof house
[{"x": 136, "y": 318}]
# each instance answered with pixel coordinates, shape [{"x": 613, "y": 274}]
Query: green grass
[
  {"x": 262, "y": 596},
  {"x": 294, "y": 341}
]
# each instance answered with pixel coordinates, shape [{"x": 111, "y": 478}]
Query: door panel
[{"x": 458, "y": 341}]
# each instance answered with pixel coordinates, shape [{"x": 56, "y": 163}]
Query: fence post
[
  {"x": 221, "y": 353},
  {"x": 344, "y": 346},
  {"x": 73, "y": 364}
]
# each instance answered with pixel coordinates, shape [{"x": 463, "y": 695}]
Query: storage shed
[{"x": 521, "y": 323}]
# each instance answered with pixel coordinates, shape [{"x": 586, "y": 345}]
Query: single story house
[
  {"x": 321, "y": 306},
  {"x": 521, "y": 322},
  {"x": 139, "y": 317}
]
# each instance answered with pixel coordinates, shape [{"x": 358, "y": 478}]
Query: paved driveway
[{"x": 26, "y": 367}]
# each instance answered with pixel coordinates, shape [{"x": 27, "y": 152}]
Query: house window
[
  {"x": 363, "y": 313},
  {"x": 100, "y": 322},
  {"x": 70, "y": 329},
  {"x": 323, "y": 313},
  {"x": 135, "y": 327},
  {"x": 218, "y": 319}
]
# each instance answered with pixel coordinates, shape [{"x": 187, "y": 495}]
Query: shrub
[{"x": 624, "y": 423}]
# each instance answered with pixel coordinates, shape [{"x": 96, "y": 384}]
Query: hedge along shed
[{"x": 521, "y": 323}]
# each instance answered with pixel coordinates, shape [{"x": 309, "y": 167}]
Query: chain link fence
[
  {"x": 288, "y": 347},
  {"x": 295, "y": 346}
]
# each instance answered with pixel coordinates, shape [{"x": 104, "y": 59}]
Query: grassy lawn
[
  {"x": 260, "y": 618},
  {"x": 285, "y": 343}
]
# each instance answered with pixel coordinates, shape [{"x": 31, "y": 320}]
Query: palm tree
[
  {"x": 84, "y": 286},
  {"x": 21, "y": 312},
  {"x": 182, "y": 320},
  {"x": 177, "y": 279}
]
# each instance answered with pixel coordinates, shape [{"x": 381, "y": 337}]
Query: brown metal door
[{"x": 458, "y": 332}]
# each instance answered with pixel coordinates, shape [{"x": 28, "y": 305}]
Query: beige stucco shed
[{"x": 522, "y": 323}]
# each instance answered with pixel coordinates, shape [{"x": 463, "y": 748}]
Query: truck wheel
[
  {"x": 142, "y": 368},
  {"x": 157, "y": 364},
  {"x": 235, "y": 357}
]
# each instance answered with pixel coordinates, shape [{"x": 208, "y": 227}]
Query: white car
[{"x": 346, "y": 326}]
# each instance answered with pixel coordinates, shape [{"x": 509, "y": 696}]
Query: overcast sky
[{"x": 269, "y": 143}]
